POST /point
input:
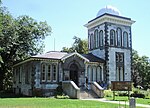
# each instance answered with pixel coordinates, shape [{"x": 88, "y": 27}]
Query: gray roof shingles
[
  {"x": 59, "y": 55},
  {"x": 51, "y": 55},
  {"x": 93, "y": 58}
]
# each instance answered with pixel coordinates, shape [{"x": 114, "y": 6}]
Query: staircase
[{"x": 87, "y": 94}]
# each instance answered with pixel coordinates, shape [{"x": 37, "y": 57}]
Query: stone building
[{"x": 109, "y": 58}]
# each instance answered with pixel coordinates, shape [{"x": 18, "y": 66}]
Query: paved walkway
[{"x": 118, "y": 102}]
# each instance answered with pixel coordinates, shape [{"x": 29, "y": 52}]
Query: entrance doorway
[{"x": 74, "y": 73}]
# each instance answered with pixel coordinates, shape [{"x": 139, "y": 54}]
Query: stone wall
[{"x": 71, "y": 89}]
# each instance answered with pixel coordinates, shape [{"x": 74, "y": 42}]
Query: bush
[
  {"x": 122, "y": 93},
  {"x": 108, "y": 93},
  {"x": 62, "y": 97},
  {"x": 59, "y": 90},
  {"x": 138, "y": 95},
  {"x": 147, "y": 94}
]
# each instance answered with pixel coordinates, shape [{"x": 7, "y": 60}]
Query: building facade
[{"x": 109, "y": 58}]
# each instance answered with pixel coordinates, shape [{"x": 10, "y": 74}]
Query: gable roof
[
  {"x": 57, "y": 55},
  {"x": 51, "y": 55},
  {"x": 74, "y": 53},
  {"x": 93, "y": 58}
]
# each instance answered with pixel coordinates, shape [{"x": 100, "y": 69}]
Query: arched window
[
  {"x": 49, "y": 73},
  {"x": 91, "y": 41},
  {"x": 119, "y": 35},
  {"x": 99, "y": 74},
  {"x": 112, "y": 37},
  {"x": 101, "y": 38},
  {"x": 43, "y": 74},
  {"x": 125, "y": 39},
  {"x": 91, "y": 79},
  {"x": 88, "y": 73},
  {"x": 94, "y": 73},
  {"x": 96, "y": 38}
]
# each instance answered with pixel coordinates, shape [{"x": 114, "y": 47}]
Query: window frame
[
  {"x": 119, "y": 37},
  {"x": 112, "y": 37},
  {"x": 119, "y": 65},
  {"x": 54, "y": 80},
  {"x": 125, "y": 40},
  {"x": 101, "y": 36},
  {"x": 43, "y": 72}
]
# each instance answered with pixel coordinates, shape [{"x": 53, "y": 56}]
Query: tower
[{"x": 110, "y": 38}]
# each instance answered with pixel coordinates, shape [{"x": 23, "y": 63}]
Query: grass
[
  {"x": 125, "y": 98},
  {"x": 52, "y": 103}
]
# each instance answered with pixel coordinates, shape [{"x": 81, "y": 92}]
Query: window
[
  {"x": 120, "y": 73},
  {"x": 119, "y": 35},
  {"x": 125, "y": 39},
  {"x": 96, "y": 38},
  {"x": 99, "y": 74},
  {"x": 119, "y": 66},
  {"x": 54, "y": 73},
  {"x": 112, "y": 37},
  {"x": 43, "y": 73},
  {"x": 49, "y": 73},
  {"x": 91, "y": 74},
  {"x": 101, "y": 38},
  {"x": 27, "y": 77},
  {"x": 91, "y": 41},
  {"x": 119, "y": 57}
]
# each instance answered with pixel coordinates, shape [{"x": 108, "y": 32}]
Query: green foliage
[
  {"x": 140, "y": 70},
  {"x": 122, "y": 93},
  {"x": 108, "y": 93},
  {"x": 79, "y": 45},
  {"x": 62, "y": 97},
  {"x": 137, "y": 92},
  {"x": 59, "y": 90},
  {"x": 20, "y": 38}
]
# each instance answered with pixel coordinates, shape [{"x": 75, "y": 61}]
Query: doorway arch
[{"x": 74, "y": 73}]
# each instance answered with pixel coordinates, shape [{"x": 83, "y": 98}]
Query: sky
[{"x": 67, "y": 19}]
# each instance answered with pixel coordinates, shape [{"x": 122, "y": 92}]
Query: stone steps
[{"x": 87, "y": 94}]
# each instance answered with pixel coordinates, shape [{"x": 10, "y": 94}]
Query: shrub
[
  {"x": 108, "y": 93},
  {"x": 147, "y": 94},
  {"x": 122, "y": 93},
  {"x": 62, "y": 97},
  {"x": 59, "y": 90}
]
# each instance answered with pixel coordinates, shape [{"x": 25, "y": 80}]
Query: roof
[
  {"x": 75, "y": 53},
  {"x": 57, "y": 55},
  {"x": 51, "y": 55},
  {"x": 93, "y": 58},
  {"x": 110, "y": 15},
  {"x": 108, "y": 9}
]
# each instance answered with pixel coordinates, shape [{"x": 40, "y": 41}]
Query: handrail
[
  {"x": 97, "y": 89},
  {"x": 71, "y": 89}
]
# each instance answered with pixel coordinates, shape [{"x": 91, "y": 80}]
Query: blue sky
[{"x": 67, "y": 17}]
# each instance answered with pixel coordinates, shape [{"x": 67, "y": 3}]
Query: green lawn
[
  {"x": 125, "y": 98},
  {"x": 52, "y": 103}
]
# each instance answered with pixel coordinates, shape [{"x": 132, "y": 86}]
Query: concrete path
[{"x": 118, "y": 102}]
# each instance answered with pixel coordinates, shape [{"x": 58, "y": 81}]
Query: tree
[
  {"x": 79, "y": 45},
  {"x": 140, "y": 70},
  {"x": 19, "y": 38}
]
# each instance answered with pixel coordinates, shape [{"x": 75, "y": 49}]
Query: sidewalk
[{"x": 118, "y": 102}]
